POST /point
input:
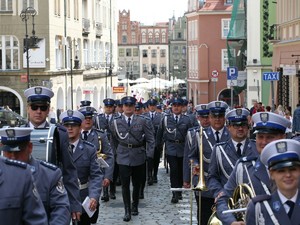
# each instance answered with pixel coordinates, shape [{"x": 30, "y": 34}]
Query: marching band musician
[
  {"x": 84, "y": 155},
  {"x": 38, "y": 107},
  {"x": 282, "y": 157},
  {"x": 100, "y": 140},
  {"x": 172, "y": 130},
  {"x": 225, "y": 154},
  {"x": 20, "y": 200},
  {"x": 267, "y": 127},
  {"x": 215, "y": 133},
  {"x": 130, "y": 134},
  {"x": 202, "y": 115},
  {"x": 47, "y": 177}
]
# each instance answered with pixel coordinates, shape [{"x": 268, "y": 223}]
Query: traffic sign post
[
  {"x": 271, "y": 76},
  {"x": 214, "y": 78},
  {"x": 232, "y": 75}
]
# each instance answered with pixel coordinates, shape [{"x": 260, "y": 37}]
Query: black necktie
[
  {"x": 85, "y": 136},
  {"x": 217, "y": 136},
  {"x": 128, "y": 121},
  {"x": 238, "y": 149},
  {"x": 107, "y": 118},
  {"x": 72, "y": 148},
  {"x": 152, "y": 116},
  {"x": 176, "y": 119},
  {"x": 291, "y": 205}
]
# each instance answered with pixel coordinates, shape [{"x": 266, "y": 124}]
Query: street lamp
[
  {"x": 76, "y": 66},
  {"x": 25, "y": 15}
]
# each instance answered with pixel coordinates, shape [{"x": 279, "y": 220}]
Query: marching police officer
[
  {"x": 225, "y": 154},
  {"x": 282, "y": 157},
  {"x": 104, "y": 150},
  {"x": 188, "y": 113},
  {"x": 18, "y": 193},
  {"x": 215, "y": 133},
  {"x": 85, "y": 159},
  {"x": 173, "y": 130},
  {"x": 202, "y": 113},
  {"x": 119, "y": 107},
  {"x": 47, "y": 177},
  {"x": 38, "y": 99},
  {"x": 131, "y": 133},
  {"x": 268, "y": 127},
  {"x": 85, "y": 103}
]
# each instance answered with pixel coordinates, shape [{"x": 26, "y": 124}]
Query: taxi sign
[{"x": 271, "y": 76}]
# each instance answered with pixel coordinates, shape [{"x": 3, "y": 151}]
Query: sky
[{"x": 150, "y": 12}]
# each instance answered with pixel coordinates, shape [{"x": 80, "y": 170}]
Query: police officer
[
  {"x": 225, "y": 154},
  {"x": 47, "y": 177},
  {"x": 85, "y": 103},
  {"x": 155, "y": 120},
  {"x": 19, "y": 196},
  {"x": 202, "y": 113},
  {"x": 119, "y": 107},
  {"x": 38, "y": 103},
  {"x": 188, "y": 113},
  {"x": 173, "y": 130},
  {"x": 139, "y": 108},
  {"x": 130, "y": 133},
  {"x": 85, "y": 159},
  {"x": 282, "y": 157},
  {"x": 268, "y": 127},
  {"x": 215, "y": 133}
]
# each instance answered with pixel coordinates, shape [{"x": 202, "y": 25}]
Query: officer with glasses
[{"x": 38, "y": 107}]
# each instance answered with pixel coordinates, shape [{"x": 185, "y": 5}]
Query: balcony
[
  {"x": 98, "y": 29},
  {"x": 274, "y": 34},
  {"x": 86, "y": 24}
]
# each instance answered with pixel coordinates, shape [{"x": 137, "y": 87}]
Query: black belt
[
  {"x": 131, "y": 145},
  {"x": 176, "y": 141}
]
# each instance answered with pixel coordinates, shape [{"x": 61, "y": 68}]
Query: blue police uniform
[
  {"x": 250, "y": 169},
  {"x": 84, "y": 155},
  {"x": 130, "y": 140},
  {"x": 190, "y": 114},
  {"x": 173, "y": 133},
  {"x": 225, "y": 154},
  {"x": 275, "y": 208},
  {"x": 20, "y": 201}
]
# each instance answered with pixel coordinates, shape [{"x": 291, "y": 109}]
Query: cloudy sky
[{"x": 150, "y": 12}]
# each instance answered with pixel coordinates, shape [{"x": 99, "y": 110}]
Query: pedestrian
[
  {"x": 173, "y": 130},
  {"x": 296, "y": 120},
  {"x": 20, "y": 200},
  {"x": 52, "y": 116},
  {"x": 84, "y": 155},
  {"x": 130, "y": 135},
  {"x": 38, "y": 105},
  {"x": 282, "y": 158},
  {"x": 268, "y": 127},
  {"x": 47, "y": 177}
]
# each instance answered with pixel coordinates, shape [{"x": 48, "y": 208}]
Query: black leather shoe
[
  {"x": 179, "y": 196},
  {"x": 127, "y": 216},
  {"x": 134, "y": 211},
  {"x": 174, "y": 199},
  {"x": 141, "y": 196},
  {"x": 112, "y": 195},
  {"x": 105, "y": 196},
  {"x": 155, "y": 179},
  {"x": 150, "y": 181}
]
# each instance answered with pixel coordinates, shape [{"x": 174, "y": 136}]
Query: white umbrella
[
  {"x": 125, "y": 81},
  {"x": 179, "y": 81},
  {"x": 141, "y": 80}
]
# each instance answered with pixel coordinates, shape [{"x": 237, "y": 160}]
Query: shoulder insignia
[
  {"x": 48, "y": 165},
  {"x": 117, "y": 117},
  {"x": 89, "y": 143},
  {"x": 247, "y": 159},
  {"x": 60, "y": 186},
  {"x": 260, "y": 198},
  {"x": 185, "y": 115},
  {"x": 221, "y": 143},
  {"x": 99, "y": 131},
  {"x": 16, "y": 163}
]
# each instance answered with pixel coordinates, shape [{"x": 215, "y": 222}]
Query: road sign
[
  {"x": 232, "y": 73},
  {"x": 271, "y": 76},
  {"x": 215, "y": 74},
  {"x": 214, "y": 79}
]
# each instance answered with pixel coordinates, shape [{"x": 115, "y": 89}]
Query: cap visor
[{"x": 284, "y": 164}]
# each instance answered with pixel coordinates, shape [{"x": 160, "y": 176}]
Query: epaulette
[
  {"x": 184, "y": 115},
  {"x": 48, "y": 165},
  {"x": 145, "y": 117},
  {"x": 98, "y": 131},
  {"x": 16, "y": 163},
  {"x": 260, "y": 198},
  {"x": 117, "y": 117},
  {"x": 247, "y": 159},
  {"x": 89, "y": 143},
  {"x": 221, "y": 143}
]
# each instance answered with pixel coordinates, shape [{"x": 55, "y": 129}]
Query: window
[
  {"x": 144, "y": 38},
  {"x": 153, "y": 68},
  {"x": 145, "y": 68},
  {"x": 124, "y": 39},
  {"x": 150, "y": 38},
  {"x": 6, "y": 5},
  {"x": 58, "y": 53},
  {"x": 156, "y": 37},
  {"x": 163, "y": 53},
  {"x": 225, "y": 28},
  {"x": 124, "y": 26},
  {"x": 9, "y": 53},
  {"x": 135, "y": 52},
  {"x": 175, "y": 50},
  {"x": 133, "y": 38},
  {"x": 86, "y": 56},
  {"x": 57, "y": 7},
  {"x": 163, "y": 38},
  {"x": 135, "y": 66},
  {"x": 26, "y": 3},
  {"x": 227, "y": 2},
  {"x": 121, "y": 52},
  {"x": 128, "y": 52},
  {"x": 184, "y": 50},
  {"x": 153, "y": 53},
  {"x": 145, "y": 53},
  {"x": 179, "y": 35},
  {"x": 76, "y": 10},
  {"x": 225, "y": 60}
]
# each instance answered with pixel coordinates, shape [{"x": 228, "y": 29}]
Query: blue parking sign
[{"x": 232, "y": 73}]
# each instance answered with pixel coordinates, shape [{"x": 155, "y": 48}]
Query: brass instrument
[{"x": 99, "y": 154}]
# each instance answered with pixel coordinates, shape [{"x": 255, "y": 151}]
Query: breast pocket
[{"x": 10, "y": 203}]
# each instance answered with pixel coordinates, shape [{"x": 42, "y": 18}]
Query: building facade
[{"x": 76, "y": 55}]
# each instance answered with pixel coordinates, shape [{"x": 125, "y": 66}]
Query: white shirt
[
  {"x": 283, "y": 199},
  {"x": 75, "y": 145}
]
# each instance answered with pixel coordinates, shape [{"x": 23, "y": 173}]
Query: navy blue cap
[
  {"x": 12, "y": 137},
  {"x": 85, "y": 103},
  {"x": 71, "y": 117},
  {"x": 152, "y": 102},
  {"x": 185, "y": 102},
  {"x": 128, "y": 100},
  {"x": 88, "y": 111},
  {"x": 38, "y": 94},
  {"x": 202, "y": 110},
  {"x": 109, "y": 102},
  {"x": 237, "y": 115},
  {"x": 217, "y": 107},
  {"x": 268, "y": 122},
  {"x": 118, "y": 102},
  {"x": 139, "y": 105},
  {"x": 177, "y": 101},
  {"x": 281, "y": 153},
  {"x": 159, "y": 106}
]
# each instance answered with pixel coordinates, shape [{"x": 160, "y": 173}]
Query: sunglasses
[{"x": 42, "y": 107}]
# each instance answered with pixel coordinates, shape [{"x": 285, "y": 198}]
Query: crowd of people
[{"x": 223, "y": 149}]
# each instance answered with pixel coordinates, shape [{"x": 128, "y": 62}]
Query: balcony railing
[
  {"x": 274, "y": 34},
  {"x": 86, "y": 24},
  {"x": 99, "y": 30}
]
